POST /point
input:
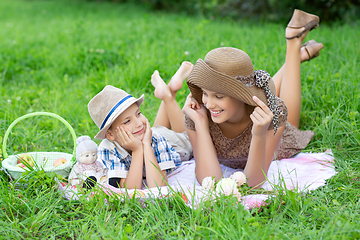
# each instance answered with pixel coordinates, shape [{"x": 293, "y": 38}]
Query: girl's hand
[
  {"x": 126, "y": 139},
  {"x": 148, "y": 133},
  {"x": 261, "y": 117},
  {"x": 195, "y": 111}
]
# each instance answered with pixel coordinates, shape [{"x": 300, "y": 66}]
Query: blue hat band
[{"x": 113, "y": 110}]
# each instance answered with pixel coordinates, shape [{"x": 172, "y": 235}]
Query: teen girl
[{"x": 243, "y": 118}]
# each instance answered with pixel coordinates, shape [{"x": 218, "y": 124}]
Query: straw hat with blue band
[{"x": 107, "y": 105}]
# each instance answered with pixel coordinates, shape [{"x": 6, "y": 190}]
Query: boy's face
[{"x": 132, "y": 120}]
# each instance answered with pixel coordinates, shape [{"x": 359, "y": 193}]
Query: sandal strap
[{"x": 308, "y": 27}]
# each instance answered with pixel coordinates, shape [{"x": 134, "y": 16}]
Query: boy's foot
[
  {"x": 161, "y": 89},
  {"x": 181, "y": 74}
]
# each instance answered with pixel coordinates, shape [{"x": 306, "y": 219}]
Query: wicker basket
[{"x": 43, "y": 160}]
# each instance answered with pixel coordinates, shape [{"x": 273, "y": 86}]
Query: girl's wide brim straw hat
[
  {"x": 107, "y": 105},
  {"x": 228, "y": 71}
]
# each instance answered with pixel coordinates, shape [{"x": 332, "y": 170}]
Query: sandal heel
[{"x": 302, "y": 19}]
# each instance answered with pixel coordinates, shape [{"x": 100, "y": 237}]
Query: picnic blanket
[{"x": 304, "y": 172}]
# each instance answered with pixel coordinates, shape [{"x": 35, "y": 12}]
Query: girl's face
[
  {"x": 223, "y": 108},
  {"x": 132, "y": 120}
]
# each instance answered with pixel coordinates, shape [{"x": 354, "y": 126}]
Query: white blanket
[{"x": 304, "y": 172}]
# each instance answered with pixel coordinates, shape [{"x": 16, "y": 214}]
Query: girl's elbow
[{"x": 200, "y": 175}]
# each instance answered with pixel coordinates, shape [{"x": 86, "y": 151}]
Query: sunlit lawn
[{"x": 56, "y": 55}]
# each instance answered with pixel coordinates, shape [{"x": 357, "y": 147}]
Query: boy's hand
[
  {"x": 195, "y": 111},
  {"x": 126, "y": 139},
  {"x": 148, "y": 133},
  {"x": 261, "y": 117}
]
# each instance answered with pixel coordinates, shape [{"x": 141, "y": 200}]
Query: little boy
[{"x": 130, "y": 148}]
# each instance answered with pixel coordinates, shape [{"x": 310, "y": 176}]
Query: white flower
[
  {"x": 186, "y": 53},
  {"x": 209, "y": 196},
  {"x": 208, "y": 183},
  {"x": 226, "y": 186},
  {"x": 239, "y": 177},
  {"x": 99, "y": 50},
  {"x": 237, "y": 194}
]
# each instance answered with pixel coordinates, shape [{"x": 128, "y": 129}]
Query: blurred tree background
[{"x": 260, "y": 10}]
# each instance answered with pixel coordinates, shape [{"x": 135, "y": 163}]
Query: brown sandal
[
  {"x": 302, "y": 19},
  {"x": 312, "y": 48}
]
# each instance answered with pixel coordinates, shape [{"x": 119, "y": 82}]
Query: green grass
[{"x": 56, "y": 55}]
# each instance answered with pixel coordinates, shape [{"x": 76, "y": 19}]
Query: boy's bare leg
[
  {"x": 180, "y": 76},
  {"x": 170, "y": 114},
  {"x": 162, "y": 118}
]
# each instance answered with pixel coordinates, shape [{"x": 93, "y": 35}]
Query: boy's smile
[{"x": 141, "y": 131}]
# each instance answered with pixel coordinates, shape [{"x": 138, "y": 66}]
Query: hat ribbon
[
  {"x": 113, "y": 110},
  {"x": 262, "y": 79}
]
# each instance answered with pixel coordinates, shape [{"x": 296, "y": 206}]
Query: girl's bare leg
[
  {"x": 170, "y": 114},
  {"x": 290, "y": 87},
  {"x": 278, "y": 77}
]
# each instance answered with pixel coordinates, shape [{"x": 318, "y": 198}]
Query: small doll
[{"x": 87, "y": 171}]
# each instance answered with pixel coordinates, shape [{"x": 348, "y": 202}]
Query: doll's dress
[{"x": 80, "y": 172}]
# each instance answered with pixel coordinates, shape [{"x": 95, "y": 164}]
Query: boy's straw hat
[
  {"x": 230, "y": 71},
  {"x": 107, "y": 105}
]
